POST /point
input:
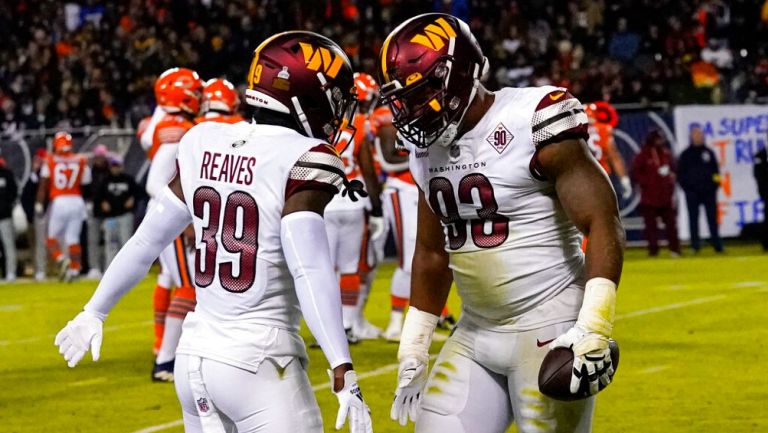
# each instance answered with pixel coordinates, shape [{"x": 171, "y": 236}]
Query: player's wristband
[
  {"x": 599, "y": 307},
  {"x": 418, "y": 328}
]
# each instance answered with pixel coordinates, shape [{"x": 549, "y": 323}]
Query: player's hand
[
  {"x": 376, "y": 226},
  {"x": 591, "y": 358},
  {"x": 81, "y": 333},
  {"x": 352, "y": 405},
  {"x": 411, "y": 379}
]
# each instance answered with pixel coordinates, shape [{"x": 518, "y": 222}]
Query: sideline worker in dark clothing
[
  {"x": 699, "y": 176},
  {"x": 761, "y": 177},
  {"x": 9, "y": 191},
  {"x": 653, "y": 169},
  {"x": 116, "y": 199}
]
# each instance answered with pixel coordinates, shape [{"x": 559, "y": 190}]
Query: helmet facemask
[{"x": 426, "y": 111}]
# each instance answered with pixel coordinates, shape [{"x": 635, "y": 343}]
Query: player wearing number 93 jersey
[
  {"x": 507, "y": 184},
  {"x": 255, "y": 193}
]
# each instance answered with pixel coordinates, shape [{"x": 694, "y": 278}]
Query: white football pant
[
  {"x": 65, "y": 223},
  {"x": 400, "y": 208},
  {"x": 271, "y": 400}
]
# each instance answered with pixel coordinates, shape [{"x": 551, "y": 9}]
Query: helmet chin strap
[{"x": 451, "y": 132}]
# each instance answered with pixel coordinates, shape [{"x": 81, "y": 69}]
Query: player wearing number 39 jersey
[
  {"x": 507, "y": 187},
  {"x": 255, "y": 194}
]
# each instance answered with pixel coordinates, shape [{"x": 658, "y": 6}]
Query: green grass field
[{"x": 692, "y": 332}]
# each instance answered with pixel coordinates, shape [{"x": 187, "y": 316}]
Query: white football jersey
[
  {"x": 512, "y": 247},
  {"x": 236, "y": 179}
]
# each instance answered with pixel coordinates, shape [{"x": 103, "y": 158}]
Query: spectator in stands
[
  {"x": 761, "y": 177},
  {"x": 116, "y": 199},
  {"x": 654, "y": 172},
  {"x": 100, "y": 172},
  {"x": 9, "y": 192},
  {"x": 699, "y": 176}
]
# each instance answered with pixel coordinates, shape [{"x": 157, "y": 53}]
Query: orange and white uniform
[
  {"x": 600, "y": 141},
  {"x": 213, "y": 116},
  {"x": 67, "y": 173},
  {"x": 165, "y": 142}
]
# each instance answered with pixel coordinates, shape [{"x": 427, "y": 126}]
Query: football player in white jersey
[
  {"x": 255, "y": 193},
  {"x": 507, "y": 188}
]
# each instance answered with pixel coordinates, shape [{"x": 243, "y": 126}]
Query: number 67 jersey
[
  {"x": 512, "y": 248},
  {"x": 236, "y": 179}
]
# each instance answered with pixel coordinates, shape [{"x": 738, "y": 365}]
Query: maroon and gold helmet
[
  {"x": 307, "y": 76},
  {"x": 429, "y": 71}
]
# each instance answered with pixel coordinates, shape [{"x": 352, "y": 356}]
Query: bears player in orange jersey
[
  {"x": 65, "y": 176},
  {"x": 602, "y": 119},
  {"x": 178, "y": 92},
  {"x": 350, "y": 224},
  {"x": 220, "y": 102}
]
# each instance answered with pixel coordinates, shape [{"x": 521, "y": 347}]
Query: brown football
[{"x": 555, "y": 373}]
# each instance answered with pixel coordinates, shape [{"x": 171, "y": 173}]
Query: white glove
[
  {"x": 591, "y": 357},
  {"x": 412, "y": 377},
  {"x": 376, "y": 227},
  {"x": 626, "y": 188},
  {"x": 80, "y": 334},
  {"x": 352, "y": 405}
]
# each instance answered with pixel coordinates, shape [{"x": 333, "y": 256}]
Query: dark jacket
[
  {"x": 761, "y": 173},
  {"x": 698, "y": 171},
  {"x": 9, "y": 192},
  {"x": 654, "y": 171},
  {"x": 115, "y": 190}
]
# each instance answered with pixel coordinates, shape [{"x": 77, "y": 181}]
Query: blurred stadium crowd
[{"x": 68, "y": 64}]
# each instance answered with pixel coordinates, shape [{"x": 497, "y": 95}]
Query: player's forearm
[
  {"x": 307, "y": 255},
  {"x": 372, "y": 184},
  {"x": 431, "y": 280},
  {"x": 164, "y": 222},
  {"x": 605, "y": 248}
]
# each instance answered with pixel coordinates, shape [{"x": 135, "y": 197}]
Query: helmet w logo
[
  {"x": 321, "y": 58},
  {"x": 435, "y": 35}
]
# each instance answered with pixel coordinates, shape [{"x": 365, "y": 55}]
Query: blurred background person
[
  {"x": 36, "y": 232},
  {"x": 100, "y": 171},
  {"x": 653, "y": 170},
  {"x": 116, "y": 199},
  {"x": 761, "y": 177},
  {"x": 9, "y": 192},
  {"x": 699, "y": 176}
]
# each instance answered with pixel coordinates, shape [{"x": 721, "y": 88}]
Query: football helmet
[
  {"x": 179, "y": 90},
  {"x": 62, "y": 142},
  {"x": 367, "y": 91},
  {"x": 219, "y": 95},
  {"x": 306, "y": 76},
  {"x": 429, "y": 69},
  {"x": 602, "y": 112}
]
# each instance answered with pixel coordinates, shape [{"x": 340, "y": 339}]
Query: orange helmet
[
  {"x": 179, "y": 89},
  {"x": 366, "y": 87},
  {"x": 219, "y": 95},
  {"x": 62, "y": 142},
  {"x": 602, "y": 112}
]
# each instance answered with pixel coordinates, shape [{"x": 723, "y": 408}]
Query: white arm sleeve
[
  {"x": 163, "y": 168},
  {"x": 162, "y": 224},
  {"x": 309, "y": 259}
]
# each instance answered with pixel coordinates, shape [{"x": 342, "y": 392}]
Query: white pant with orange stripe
[
  {"x": 401, "y": 202},
  {"x": 175, "y": 262}
]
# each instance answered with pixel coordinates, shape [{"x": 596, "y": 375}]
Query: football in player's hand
[{"x": 556, "y": 369}]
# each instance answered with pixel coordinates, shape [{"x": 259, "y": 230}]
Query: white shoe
[
  {"x": 10, "y": 278},
  {"x": 93, "y": 274},
  {"x": 71, "y": 275},
  {"x": 365, "y": 330},
  {"x": 395, "y": 328},
  {"x": 40, "y": 276},
  {"x": 63, "y": 268}
]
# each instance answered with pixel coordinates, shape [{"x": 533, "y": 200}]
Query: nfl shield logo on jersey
[
  {"x": 500, "y": 138},
  {"x": 202, "y": 405}
]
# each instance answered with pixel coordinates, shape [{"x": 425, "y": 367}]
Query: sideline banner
[{"x": 735, "y": 133}]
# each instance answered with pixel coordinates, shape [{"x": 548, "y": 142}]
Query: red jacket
[{"x": 654, "y": 171}]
